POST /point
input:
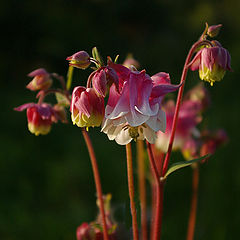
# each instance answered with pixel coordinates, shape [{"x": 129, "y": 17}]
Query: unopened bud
[
  {"x": 213, "y": 30},
  {"x": 80, "y": 60}
]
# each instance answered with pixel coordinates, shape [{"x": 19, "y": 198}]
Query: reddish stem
[
  {"x": 179, "y": 98},
  {"x": 142, "y": 188},
  {"x": 97, "y": 181},
  {"x": 193, "y": 211},
  {"x": 158, "y": 196},
  {"x": 131, "y": 190}
]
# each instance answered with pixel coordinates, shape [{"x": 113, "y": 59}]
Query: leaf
[
  {"x": 183, "y": 164},
  {"x": 62, "y": 100},
  {"x": 96, "y": 55}
]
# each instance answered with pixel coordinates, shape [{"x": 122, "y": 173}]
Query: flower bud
[
  {"x": 212, "y": 63},
  {"x": 102, "y": 79},
  {"x": 41, "y": 80},
  {"x": 214, "y": 30},
  {"x": 87, "y": 107},
  {"x": 80, "y": 60}
]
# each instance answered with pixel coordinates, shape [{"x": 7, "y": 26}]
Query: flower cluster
[
  {"x": 42, "y": 115},
  {"x": 133, "y": 109},
  {"x": 128, "y": 104}
]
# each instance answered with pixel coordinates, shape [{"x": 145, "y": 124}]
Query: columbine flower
[
  {"x": 134, "y": 112},
  {"x": 87, "y": 107},
  {"x": 40, "y": 117},
  {"x": 79, "y": 59},
  {"x": 212, "y": 63},
  {"x": 188, "y": 118},
  {"x": 41, "y": 80}
]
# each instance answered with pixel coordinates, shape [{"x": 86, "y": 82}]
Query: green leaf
[
  {"x": 62, "y": 100},
  {"x": 183, "y": 164},
  {"x": 96, "y": 55}
]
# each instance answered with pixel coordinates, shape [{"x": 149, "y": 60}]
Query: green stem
[
  {"x": 69, "y": 77},
  {"x": 142, "y": 188},
  {"x": 97, "y": 181},
  {"x": 131, "y": 190}
]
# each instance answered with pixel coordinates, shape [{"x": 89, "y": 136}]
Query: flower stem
[
  {"x": 142, "y": 188},
  {"x": 157, "y": 227},
  {"x": 97, "y": 181},
  {"x": 131, "y": 190},
  {"x": 179, "y": 99},
  {"x": 69, "y": 77},
  {"x": 193, "y": 211}
]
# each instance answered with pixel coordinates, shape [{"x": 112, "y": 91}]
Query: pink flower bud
[
  {"x": 212, "y": 63},
  {"x": 99, "y": 82},
  {"x": 80, "y": 60},
  {"x": 41, "y": 80},
  {"x": 87, "y": 107},
  {"x": 102, "y": 80},
  {"x": 214, "y": 30}
]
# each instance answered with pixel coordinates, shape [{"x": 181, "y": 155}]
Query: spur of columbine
[{"x": 134, "y": 109}]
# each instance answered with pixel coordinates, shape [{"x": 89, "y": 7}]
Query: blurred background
[{"x": 46, "y": 183}]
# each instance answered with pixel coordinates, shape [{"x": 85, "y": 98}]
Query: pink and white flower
[{"x": 134, "y": 112}]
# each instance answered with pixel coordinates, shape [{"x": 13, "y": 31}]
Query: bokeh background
[{"x": 46, "y": 183}]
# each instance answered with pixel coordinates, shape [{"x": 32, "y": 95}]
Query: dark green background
[{"x": 46, "y": 183}]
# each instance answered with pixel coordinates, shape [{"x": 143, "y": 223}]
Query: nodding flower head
[
  {"x": 80, "y": 60},
  {"x": 41, "y": 80},
  {"x": 87, "y": 107},
  {"x": 40, "y": 117},
  {"x": 134, "y": 112},
  {"x": 212, "y": 63}
]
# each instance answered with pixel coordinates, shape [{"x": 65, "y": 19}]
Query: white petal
[{"x": 123, "y": 137}]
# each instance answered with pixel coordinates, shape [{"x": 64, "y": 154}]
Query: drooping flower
[
  {"x": 212, "y": 63},
  {"x": 87, "y": 107},
  {"x": 41, "y": 80},
  {"x": 40, "y": 117},
  {"x": 188, "y": 118},
  {"x": 135, "y": 112},
  {"x": 80, "y": 60}
]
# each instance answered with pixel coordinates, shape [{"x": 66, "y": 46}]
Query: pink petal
[
  {"x": 161, "y": 78},
  {"x": 99, "y": 82},
  {"x": 39, "y": 71},
  {"x": 24, "y": 106},
  {"x": 194, "y": 64}
]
